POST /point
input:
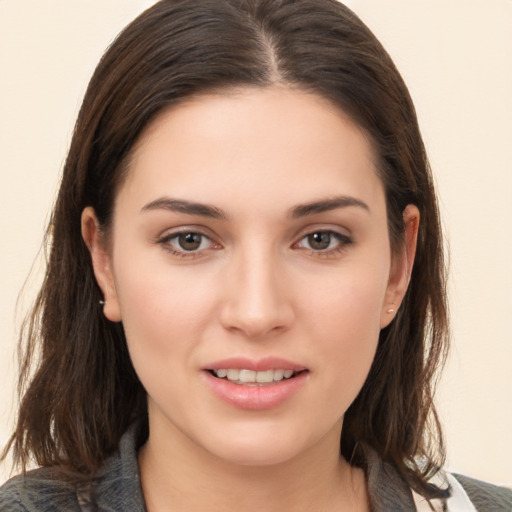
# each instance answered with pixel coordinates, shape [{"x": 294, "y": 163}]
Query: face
[{"x": 249, "y": 261}]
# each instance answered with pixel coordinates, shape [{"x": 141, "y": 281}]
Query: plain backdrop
[{"x": 456, "y": 57}]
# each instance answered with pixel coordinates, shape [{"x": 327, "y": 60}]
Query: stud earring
[
  {"x": 103, "y": 302},
  {"x": 391, "y": 311}
]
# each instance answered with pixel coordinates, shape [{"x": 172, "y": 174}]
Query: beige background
[{"x": 456, "y": 56}]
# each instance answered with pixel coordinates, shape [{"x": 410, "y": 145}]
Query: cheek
[
  {"x": 345, "y": 322},
  {"x": 350, "y": 304},
  {"x": 164, "y": 310},
  {"x": 164, "y": 317}
]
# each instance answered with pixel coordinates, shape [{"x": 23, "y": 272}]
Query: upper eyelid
[
  {"x": 339, "y": 231},
  {"x": 172, "y": 232},
  {"x": 167, "y": 236},
  {"x": 334, "y": 233},
  {"x": 323, "y": 228},
  {"x": 175, "y": 234}
]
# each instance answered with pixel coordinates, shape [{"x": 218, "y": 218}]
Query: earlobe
[
  {"x": 401, "y": 267},
  {"x": 101, "y": 262}
]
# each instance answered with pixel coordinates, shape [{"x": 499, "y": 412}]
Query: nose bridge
[{"x": 256, "y": 300}]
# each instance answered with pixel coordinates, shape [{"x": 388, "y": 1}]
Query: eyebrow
[
  {"x": 206, "y": 210},
  {"x": 187, "y": 207},
  {"x": 326, "y": 205}
]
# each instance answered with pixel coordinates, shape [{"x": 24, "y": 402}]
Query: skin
[{"x": 255, "y": 287}]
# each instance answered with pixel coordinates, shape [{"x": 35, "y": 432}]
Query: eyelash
[
  {"x": 343, "y": 242},
  {"x": 166, "y": 242}
]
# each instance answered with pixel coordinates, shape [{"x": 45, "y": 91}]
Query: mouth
[
  {"x": 255, "y": 384},
  {"x": 254, "y": 378}
]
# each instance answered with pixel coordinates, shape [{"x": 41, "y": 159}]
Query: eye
[
  {"x": 189, "y": 241},
  {"x": 324, "y": 241},
  {"x": 186, "y": 243}
]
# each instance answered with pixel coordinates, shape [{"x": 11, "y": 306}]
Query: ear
[
  {"x": 101, "y": 262},
  {"x": 401, "y": 266}
]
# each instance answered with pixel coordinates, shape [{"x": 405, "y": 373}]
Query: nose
[{"x": 257, "y": 301}]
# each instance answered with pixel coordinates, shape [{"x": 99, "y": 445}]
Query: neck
[{"x": 177, "y": 475}]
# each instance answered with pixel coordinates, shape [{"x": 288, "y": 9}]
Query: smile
[
  {"x": 261, "y": 389},
  {"x": 242, "y": 376}
]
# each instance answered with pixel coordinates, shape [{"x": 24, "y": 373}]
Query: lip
[
  {"x": 252, "y": 396},
  {"x": 259, "y": 365}
]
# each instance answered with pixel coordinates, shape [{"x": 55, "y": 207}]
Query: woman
[{"x": 244, "y": 302}]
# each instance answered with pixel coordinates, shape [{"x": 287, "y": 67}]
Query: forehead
[{"x": 278, "y": 143}]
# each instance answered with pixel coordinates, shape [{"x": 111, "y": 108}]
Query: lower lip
[{"x": 256, "y": 397}]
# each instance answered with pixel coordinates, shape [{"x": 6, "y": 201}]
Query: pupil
[
  {"x": 190, "y": 241},
  {"x": 319, "y": 241}
]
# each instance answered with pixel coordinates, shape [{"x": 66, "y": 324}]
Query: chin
[
  {"x": 257, "y": 456},
  {"x": 261, "y": 447}
]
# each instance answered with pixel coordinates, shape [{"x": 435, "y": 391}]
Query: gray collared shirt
[{"x": 117, "y": 488}]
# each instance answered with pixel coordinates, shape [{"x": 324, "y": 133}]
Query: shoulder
[
  {"x": 389, "y": 491},
  {"x": 116, "y": 486},
  {"x": 40, "y": 490},
  {"x": 485, "y": 496}
]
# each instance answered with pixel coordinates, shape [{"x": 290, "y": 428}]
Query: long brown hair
[{"x": 84, "y": 391}]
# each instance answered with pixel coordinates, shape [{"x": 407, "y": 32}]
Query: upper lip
[{"x": 258, "y": 365}]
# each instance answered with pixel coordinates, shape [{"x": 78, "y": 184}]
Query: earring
[
  {"x": 103, "y": 302},
  {"x": 391, "y": 311}
]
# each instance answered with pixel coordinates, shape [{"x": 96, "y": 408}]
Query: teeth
[
  {"x": 265, "y": 377},
  {"x": 278, "y": 374},
  {"x": 233, "y": 374},
  {"x": 251, "y": 376},
  {"x": 247, "y": 376}
]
